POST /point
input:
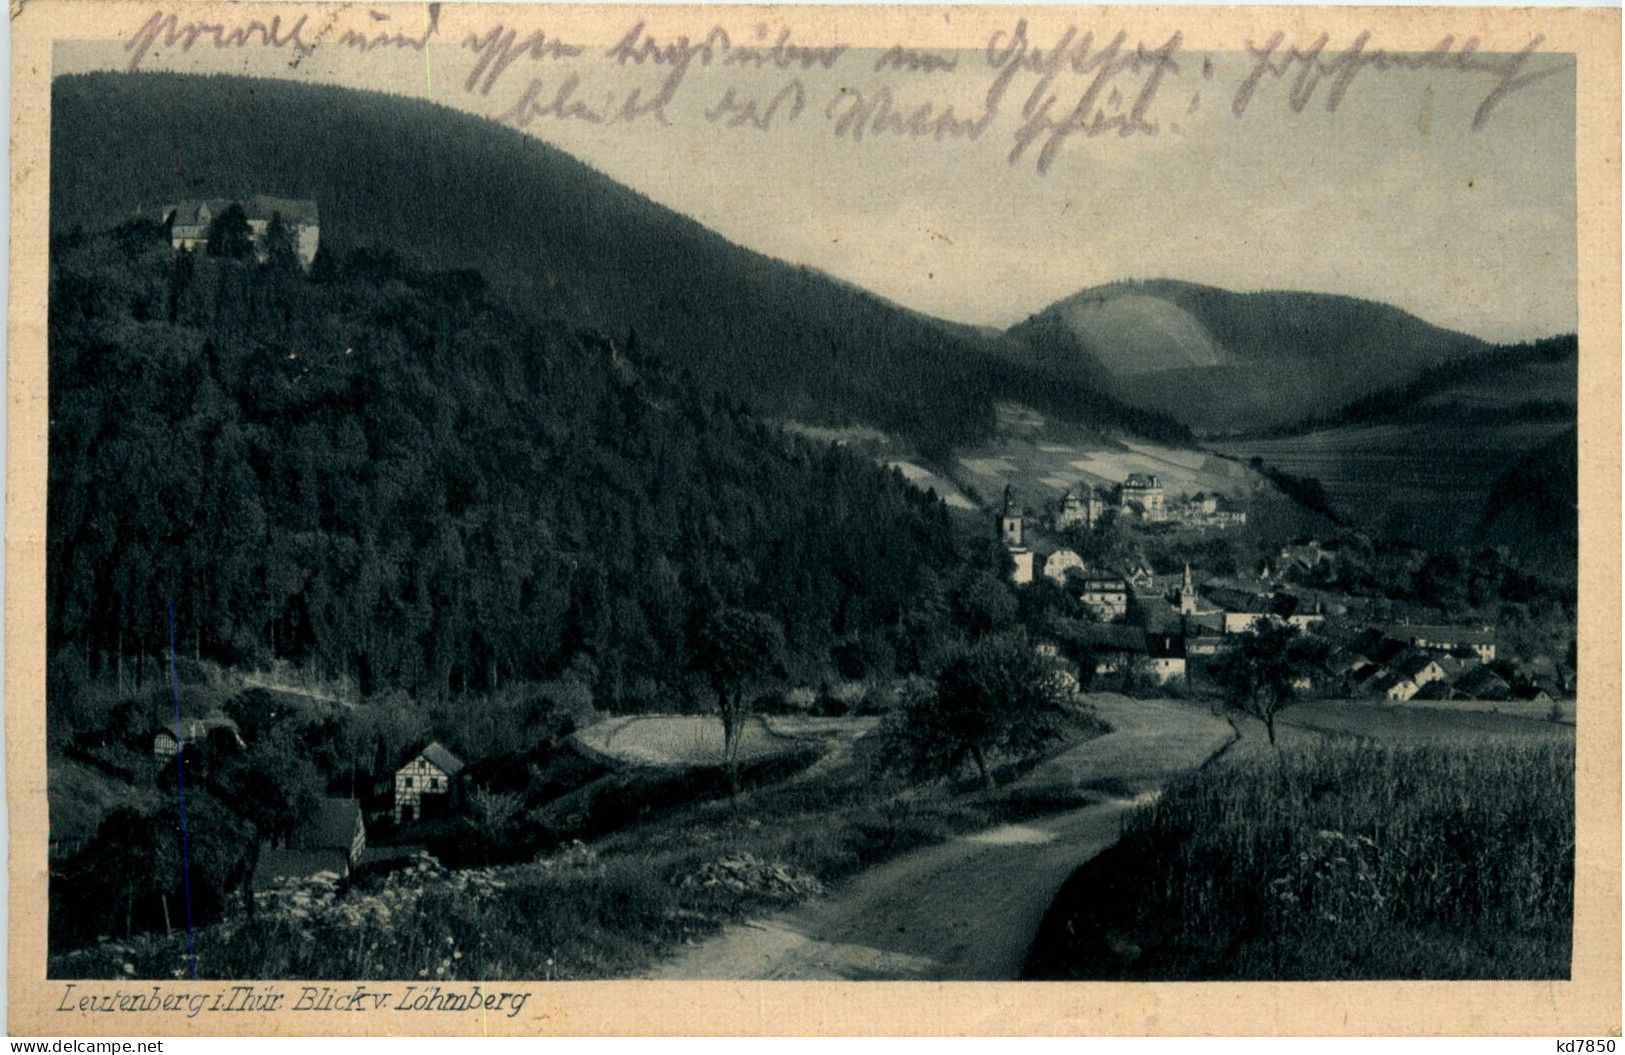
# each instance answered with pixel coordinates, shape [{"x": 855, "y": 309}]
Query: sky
[{"x": 1392, "y": 196}]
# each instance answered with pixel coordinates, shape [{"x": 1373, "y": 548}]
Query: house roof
[
  {"x": 1384, "y": 649},
  {"x": 277, "y": 864},
  {"x": 183, "y": 729},
  {"x": 293, "y": 210},
  {"x": 442, "y": 759},
  {"x": 1104, "y": 583},
  {"x": 330, "y": 826},
  {"x": 1452, "y": 666},
  {"x": 1385, "y": 681},
  {"x": 1411, "y": 662},
  {"x": 1199, "y": 623},
  {"x": 1345, "y": 659},
  {"x": 1435, "y": 690},
  {"x": 1140, "y": 480},
  {"x": 1233, "y": 600},
  {"x": 255, "y": 206},
  {"x": 1164, "y": 646},
  {"x": 1451, "y": 635},
  {"x": 1107, "y": 637},
  {"x": 1480, "y": 678},
  {"x": 1365, "y": 671}
]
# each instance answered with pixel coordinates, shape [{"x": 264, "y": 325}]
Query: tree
[
  {"x": 735, "y": 650},
  {"x": 229, "y": 234},
  {"x": 998, "y": 695},
  {"x": 982, "y": 603},
  {"x": 281, "y": 246},
  {"x": 492, "y": 816},
  {"x": 274, "y": 788},
  {"x": 1257, "y": 675}
]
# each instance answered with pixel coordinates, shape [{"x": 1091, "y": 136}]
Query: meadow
[{"x": 1347, "y": 859}]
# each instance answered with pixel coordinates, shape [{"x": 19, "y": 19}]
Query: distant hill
[
  {"x": 450, "y": 190},
  {"x": 1228, "y": 362},
  {"x": 1533, "y": 381}
]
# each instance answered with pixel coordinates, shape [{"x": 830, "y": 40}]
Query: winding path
[{"x": 968, "y": 909}]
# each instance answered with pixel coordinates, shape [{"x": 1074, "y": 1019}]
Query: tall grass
[{"x": 1346, "y": 860}]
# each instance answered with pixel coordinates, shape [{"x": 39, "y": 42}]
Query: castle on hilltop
[{"x": 189, "y": 222}]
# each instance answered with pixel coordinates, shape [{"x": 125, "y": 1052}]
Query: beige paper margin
[{"x": 1589, "y": 1004}]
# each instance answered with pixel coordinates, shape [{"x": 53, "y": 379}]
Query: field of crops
[
  {"x": 1476, "y": 720},
  {"x": 1342, "y": 860}
]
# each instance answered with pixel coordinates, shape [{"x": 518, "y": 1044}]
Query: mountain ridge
[
  {"x": 451, "y": 190},
  {"x": 1236, "y": 361}
]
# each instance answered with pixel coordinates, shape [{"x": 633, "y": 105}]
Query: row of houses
[
  {"x": 334, "y": 836},
  {"x": 1430, "y": 662},
  {"x": 1141, "y": 497},
  {"x": 1134, "y": 651}
]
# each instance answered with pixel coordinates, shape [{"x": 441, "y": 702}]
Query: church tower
[
  {"x": 1010, "y": 534},
  {"x": 1010, "y": 520},
  {"x": 1187, "y": 593}
]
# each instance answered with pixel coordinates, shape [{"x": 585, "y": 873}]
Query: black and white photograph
[{"x": 688, "y": 494}]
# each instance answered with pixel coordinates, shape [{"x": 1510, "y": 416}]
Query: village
[
  {"x": 1131, "y": 628},
  {"x": 1155, "y": 629}
]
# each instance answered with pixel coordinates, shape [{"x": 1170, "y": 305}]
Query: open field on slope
[
  {"x": 1038, "y": 459},
  {"x": 925, "y": 480},
  {"x": 1430, "y": 473}
]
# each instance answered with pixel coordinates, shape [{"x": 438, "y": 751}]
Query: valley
[{"x": 480, "y": 571}]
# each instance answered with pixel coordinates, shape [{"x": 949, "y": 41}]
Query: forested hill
[
  {"x": 1233, "y": 362},
  {"x": 1534, "y": 508},
  {"x": 382, "y": 473},
  {"x": 455, "y": 191},
  {"x": 1539, "y": 379}
]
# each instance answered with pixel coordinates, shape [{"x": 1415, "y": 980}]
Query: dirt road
[{"x": 968, "y": 909}]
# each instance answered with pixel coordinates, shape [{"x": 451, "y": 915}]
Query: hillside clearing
[{"x": 673, "y": 740}]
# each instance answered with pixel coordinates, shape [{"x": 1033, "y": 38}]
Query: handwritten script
[{"x": 1033, "y": 90}]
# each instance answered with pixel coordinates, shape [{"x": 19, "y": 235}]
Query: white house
[
  {"x": 1104, "y": 595},
  {"x": 425, "y": 782},
  {"x": 1165, "y": 657},
  {"x": 1447, "y": 638},
  {"x": 1393, "y": 686},
  {"x": 1057, "y": 564}
]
